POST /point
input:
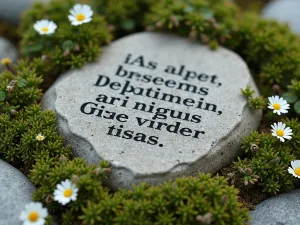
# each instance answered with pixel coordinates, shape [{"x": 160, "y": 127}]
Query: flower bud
[{"x": 254, "y": 148}]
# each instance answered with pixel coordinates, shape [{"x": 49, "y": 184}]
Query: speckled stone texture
[
  {"x": 7, "y": 50},
  {"x": 11, "y": 10},
  {"x": 15, "y": 192},
  {"x": 206, "y": 114},
  {"x": 282, "y": 209},
  {"x": 285, "y": 11}
]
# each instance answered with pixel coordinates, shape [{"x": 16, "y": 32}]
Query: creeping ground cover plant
[{"x": 62, "y": 35}]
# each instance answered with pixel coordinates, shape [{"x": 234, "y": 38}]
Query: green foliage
[
  {"x": 50, "y": 171},
  {"x": 18, "y": 136},
  {"x": 255, "y": 103},
  {"x": 123, "y": 16},
  {"x": 267, "y": 160},
  {"x": 70, "y": 46},
  {"x": 18, "y": 90},
  {"x": 188, "y": 200},
  {"x": 205, "y": 20},
  {"x": 293, "y": 95},
  {"x": 271, "y": 51}
]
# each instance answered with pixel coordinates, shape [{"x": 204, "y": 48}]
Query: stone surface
[
  {"x": 11, "y": 10},
  {"x": 7, "y": 49},
  {"x": 214, "y": 115},
  {"x": 279, "y": 210},
  {"x": 286, "y": 11},
  {"x": 15, "y": 192}
]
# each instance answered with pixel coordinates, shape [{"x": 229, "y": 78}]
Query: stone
[
  {"x": 286, "y": 11},
  {"x": 156, "y": 106},
  {"x": 7, "y": 49},
  {"x": 15, "y": 192},
  {"x": 279, "y": 210},
  {"x": 11, "y": 10}
]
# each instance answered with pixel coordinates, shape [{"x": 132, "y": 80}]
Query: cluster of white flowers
[
  {"x": 79, "y": 14},
  {"x": 280, "y": 130},
  {"x": 35, "y": 214}
]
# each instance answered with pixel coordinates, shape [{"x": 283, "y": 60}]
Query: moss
[
  {"x": 188, "y": 200},
  {"x": 271, "y": 51},
  {"x": 70, "y": 46},
  {"x": 123, "y": 16}
]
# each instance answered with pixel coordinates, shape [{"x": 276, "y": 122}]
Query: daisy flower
[
  {"x": 80, "y": 14},
  {"x": 45, "y": 27},
  {"x": 34, "y": 214},
  {"x": 40, "y": 137},
  {"x": 279, "y": 105},
  {"x": 280, "y": 131},
  {"x": 295, "y": 169},
  {"x": 65, "y": 192}
]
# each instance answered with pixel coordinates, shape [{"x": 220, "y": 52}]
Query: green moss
[
  {"x": 188, "y": 200},
  {"x": 271, "y": 51},
  {"x": 70, "y": 46},
  {"x": 123, "y": 16}
]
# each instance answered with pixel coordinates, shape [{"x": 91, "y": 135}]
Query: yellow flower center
[
  {"x": 276, "y": 106},
  {"x": 80, "y": 17},
  {"x": 45, "y": 29},
  {"x": 279, "y": 132},
  {"x": 6, "y": 61},
  {"x": 297, "y": 171},
  {"x": 68, "y": 192},
  {"x": 33, "y": 216}
]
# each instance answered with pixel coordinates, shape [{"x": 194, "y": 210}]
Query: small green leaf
[
  {"x": 33, "y": 48},
  {"x": 297, "y": 107},
  {"x": 290, "y": 97},
  {"x": 207, "y": 13},
  {"x": 68, "y": 45},
  {"x": 21, "y": 83},
  {"x": 2, "y": 96},
  {"x": 189, "y": 9},
  {"x": 128, "y": 25}
]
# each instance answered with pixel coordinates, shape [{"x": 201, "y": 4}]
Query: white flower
[
  {"x": 295, "y": 169},
  {"x": 80, "y": 14},
  {"x": 40, "y": 137},
  {"x": 45, "y": 27},
  {"x": 34, "y": 214},
  {"x": 65, "y": 192},
  {"x": 280, "y": 131},
  {"x": 278, "y": 104}
]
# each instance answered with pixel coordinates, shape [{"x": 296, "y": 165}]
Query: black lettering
[
  {"x": 185, "y": 131},
  {"x": 152, "y": 65},
  {"x": 102, "y": 81},
  {"x": 152, "y": 140},
  {"x": 121, "y": 72},
  {"x": 91, "y": 111},
  {"x": 196, "y": 119},
  {"x": 122, "y": 116},
  {"x": 128, "y": 134},
  {"x": 140, "y": 137}
]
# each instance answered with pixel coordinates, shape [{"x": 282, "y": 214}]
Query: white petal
[
  {"x": 281, "y": 139},
  {"x": 291, "y": 171},
  {"x": 295, "y": 164},
  {"x": 87, "y": 20},
  {"x": 71, "y": 18},
  {"x": 77, "y": 8}
]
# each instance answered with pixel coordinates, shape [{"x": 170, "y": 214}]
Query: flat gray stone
[
  {"x": 11, "y": 10},
  {"x": 7, "y": 50},
  {"x": 287, "y": 11},
  {"x": 172, "y": 124},
  {"x": 15, "y": 192},
  {"x": 279, "y": 210}
]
